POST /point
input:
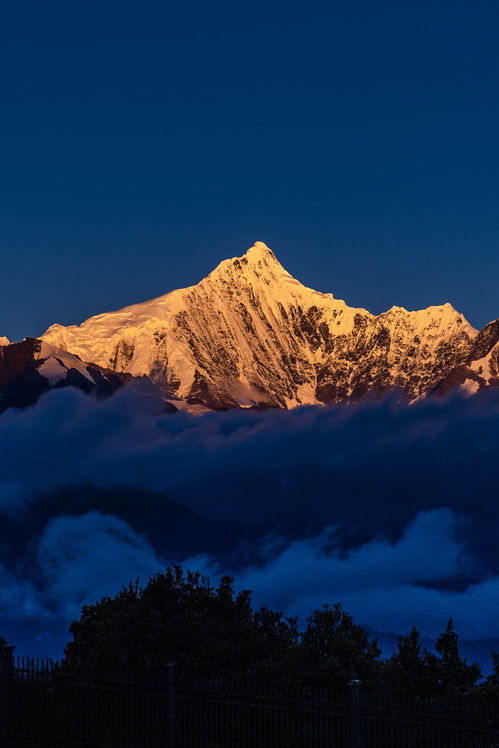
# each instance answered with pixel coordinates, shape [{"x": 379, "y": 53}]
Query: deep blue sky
[{"x": 141, "y": 143}]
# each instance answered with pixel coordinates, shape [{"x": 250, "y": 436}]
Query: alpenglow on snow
[{"x": 249, "y": 333}]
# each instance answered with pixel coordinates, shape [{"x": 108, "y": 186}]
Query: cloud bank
[{"x": 391, "y": 511}]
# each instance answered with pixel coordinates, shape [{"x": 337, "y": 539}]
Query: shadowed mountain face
[
  {"x": 249, "y": 333},
  {"x": 171, "y": 528},
  {"x": 32, "y": 367}
]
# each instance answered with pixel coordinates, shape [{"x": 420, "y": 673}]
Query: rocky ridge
[
  {"x": 251, "y": 334},
  {"x": 32, "y": 367}
]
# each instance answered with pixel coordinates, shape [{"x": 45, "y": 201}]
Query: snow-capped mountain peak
[{"x": 251, "y": 333}]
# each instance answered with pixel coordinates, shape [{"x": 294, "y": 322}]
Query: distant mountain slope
[
  {"x": 480, "y": 369},
  {"x": 249, "y": 333},
  {"x": 32, "y": 367},
  {"x": 171, "y": 528}
]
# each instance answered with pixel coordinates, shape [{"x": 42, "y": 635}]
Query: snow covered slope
[{"x": 251, "y": 333}]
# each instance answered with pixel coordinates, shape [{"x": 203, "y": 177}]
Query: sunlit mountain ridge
[{"x": 249, "y": 334}]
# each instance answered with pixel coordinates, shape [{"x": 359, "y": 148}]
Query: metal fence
[{"x": 43, "y": 706}]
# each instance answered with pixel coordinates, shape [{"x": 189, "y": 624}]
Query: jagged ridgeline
[{"x": 249, "y": 333}]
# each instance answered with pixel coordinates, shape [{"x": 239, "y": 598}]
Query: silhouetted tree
[
  {"x": 180, "y": 617},
  {"x": 493, "y": 678},
  {"x": 415, "y": 673},
  {"x": 452, "y": 672},
  {"x": 406, "y": 672},
  {"x": 211, "y": 631},
  {"x": 333, "y": 649}
]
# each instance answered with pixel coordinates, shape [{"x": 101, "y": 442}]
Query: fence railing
[{"x": 45, "y": 706}]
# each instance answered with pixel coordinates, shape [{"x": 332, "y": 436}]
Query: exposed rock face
[
  {"x": 480, "y": 369},
  {"x": 249, "y": 333},
  {"x": 32, "y": 367}
]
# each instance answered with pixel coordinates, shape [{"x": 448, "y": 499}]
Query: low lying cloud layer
[
  {"x": 391, "y": 511},
  {"x": 386, "y": 585}
]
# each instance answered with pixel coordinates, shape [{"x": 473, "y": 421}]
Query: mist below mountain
[{"x": 390, "y": 510}]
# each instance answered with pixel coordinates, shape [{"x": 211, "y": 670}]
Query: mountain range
[{"x": 249, "y": 334}]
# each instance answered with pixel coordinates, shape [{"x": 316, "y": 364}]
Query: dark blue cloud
[{"x": 392, "y": 511}]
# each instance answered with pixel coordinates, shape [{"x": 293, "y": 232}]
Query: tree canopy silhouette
[{"x": 208, "y": 631}]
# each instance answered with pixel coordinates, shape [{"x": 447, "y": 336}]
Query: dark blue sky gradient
[{"x": 141, "y": 143}]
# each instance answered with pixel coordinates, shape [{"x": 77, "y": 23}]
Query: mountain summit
[{"x": 249, "y": 333}]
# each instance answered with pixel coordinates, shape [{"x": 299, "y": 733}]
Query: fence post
[
  {"x": 354, "y": 688},
  {"x": 171, "y": 729},
  {"x": 7, "y": 667},
  {"x": 170, "y": 684},
  {"x": 6, "y": 659}
]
